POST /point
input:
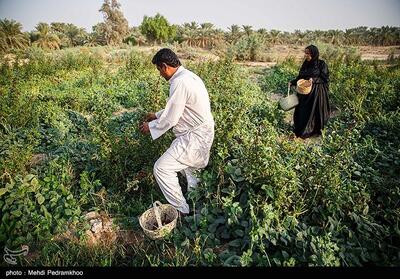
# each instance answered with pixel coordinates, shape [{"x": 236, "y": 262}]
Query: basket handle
[{"x": 156, "y": 204}]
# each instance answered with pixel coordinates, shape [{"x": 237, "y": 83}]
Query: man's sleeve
[
  {"x": 158, "y": 113},
  {"x": 170, "y": 116}
]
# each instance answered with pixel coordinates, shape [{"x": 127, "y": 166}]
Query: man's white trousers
[{"x": 166, "y": 174}]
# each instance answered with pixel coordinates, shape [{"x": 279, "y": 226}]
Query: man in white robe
[{"x": 188, "y": 112}]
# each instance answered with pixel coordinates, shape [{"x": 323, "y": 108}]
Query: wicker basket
[
  {"x": 158, "y": 221},
  {"x": 301, "y": 88},
  {"x": 289, "y": 102}
]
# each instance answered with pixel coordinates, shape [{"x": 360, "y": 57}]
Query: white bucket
[{"x": 289, "y": 102}]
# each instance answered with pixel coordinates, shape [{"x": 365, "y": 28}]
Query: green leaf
[
  {"x": 78, "y": 211},
  {"x": 5, "y": 217},
  {"x": 40, "y": 198},
  {"x": 220, "y": 220},
  {"x": 268, "y": 190},
  {"x": 16, "y": 213},
  {"x": 232, "y": 260},
  {"x": 224, "y": 255},
  {"x": 225, "y": 234},
  {"x": 68, "y": 212},
  {"x": 239, "y": 233},
  {"x": 238, "y": 172},
  {"x": 235, "y": 243},
  {"x": 210, "y": 218},
  {"x": 3, "y": 191},
  {"x": 285, "y": 255},
  {"x": 238, "y": 179},
  {"x": 213, "y": 227},
  {"x": 29, "y": 177},
  {"x": 185, "y": 243},
  {"x": 277, "y": 261},
  {"x": 244, "y": 223},
  {"x": 366, "y": 209},
  {"x": 226, "y": 190},
  {"x": 34, "y": 183}
]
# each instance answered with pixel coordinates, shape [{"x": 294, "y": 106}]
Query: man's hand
[
  {"x": 150, "y": 117},
  {"x": 144, "y": 128}
]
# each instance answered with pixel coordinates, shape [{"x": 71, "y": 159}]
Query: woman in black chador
[{"x": 312, "y": 112}]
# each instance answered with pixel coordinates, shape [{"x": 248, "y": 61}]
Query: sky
[{"x": 283, "y": 15}]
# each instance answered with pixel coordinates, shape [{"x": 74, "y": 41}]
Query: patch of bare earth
[
  {"x": 257, "y": 64},
  {"x": 102, "y": 231},
  {"x": 378, "y": 52}
]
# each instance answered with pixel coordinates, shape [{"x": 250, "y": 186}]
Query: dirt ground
[
  {"x": 378, "y": 53},
  {"x": 279, "y": 53}
]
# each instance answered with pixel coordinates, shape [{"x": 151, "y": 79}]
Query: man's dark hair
[{"x": 166, "y": 56}]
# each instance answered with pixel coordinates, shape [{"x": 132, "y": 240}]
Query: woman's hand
[{"x": 308, "y": 82}]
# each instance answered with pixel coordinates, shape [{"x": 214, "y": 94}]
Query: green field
[{"x": 70, "y": 144}]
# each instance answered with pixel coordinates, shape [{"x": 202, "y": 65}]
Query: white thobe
[{"x": 188, "y": 112}]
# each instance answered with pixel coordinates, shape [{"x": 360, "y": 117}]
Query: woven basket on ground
[{"x": 158, "y": 221}]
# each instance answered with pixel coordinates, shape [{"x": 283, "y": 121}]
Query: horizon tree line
[{"x": 115, "y": 31}]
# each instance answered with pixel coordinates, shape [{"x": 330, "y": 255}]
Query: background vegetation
[{"x": 69, "y": 144}]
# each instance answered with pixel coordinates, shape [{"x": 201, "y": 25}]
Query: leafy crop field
[{"x": 70, "y": 144}]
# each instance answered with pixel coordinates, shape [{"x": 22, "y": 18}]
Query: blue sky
[{"x": 284, "y": 15}]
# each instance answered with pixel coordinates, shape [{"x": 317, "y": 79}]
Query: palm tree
[
  {"x": 217, "y": 37},
  {"x": 188, "y": 33},
  {"x": 336, "y": 37},
  {"x": 248, "y": 29},
  {"x": 234, "y": 33},
  {"x": 75, "y": 35},
  {"x": 275, "y": 36},
  {"x": 46, "y": 39},
  {"x": 349, "y": 37},
  {"x": 285, "y": 37},
  {"x": 387, "y": 36},
  {"x": 318, "y": 34},
  {"x": 262, "y": 31},
  {"x": 205, "y": 34},
  {"x": 299, "y": 37},
  {"x": 193, "y": 25},
  {"x": 189, "y": 37},
  {"x": 11, "y": 36}
]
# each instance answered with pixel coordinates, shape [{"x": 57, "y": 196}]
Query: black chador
[{"x": 312, "y": 112}]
